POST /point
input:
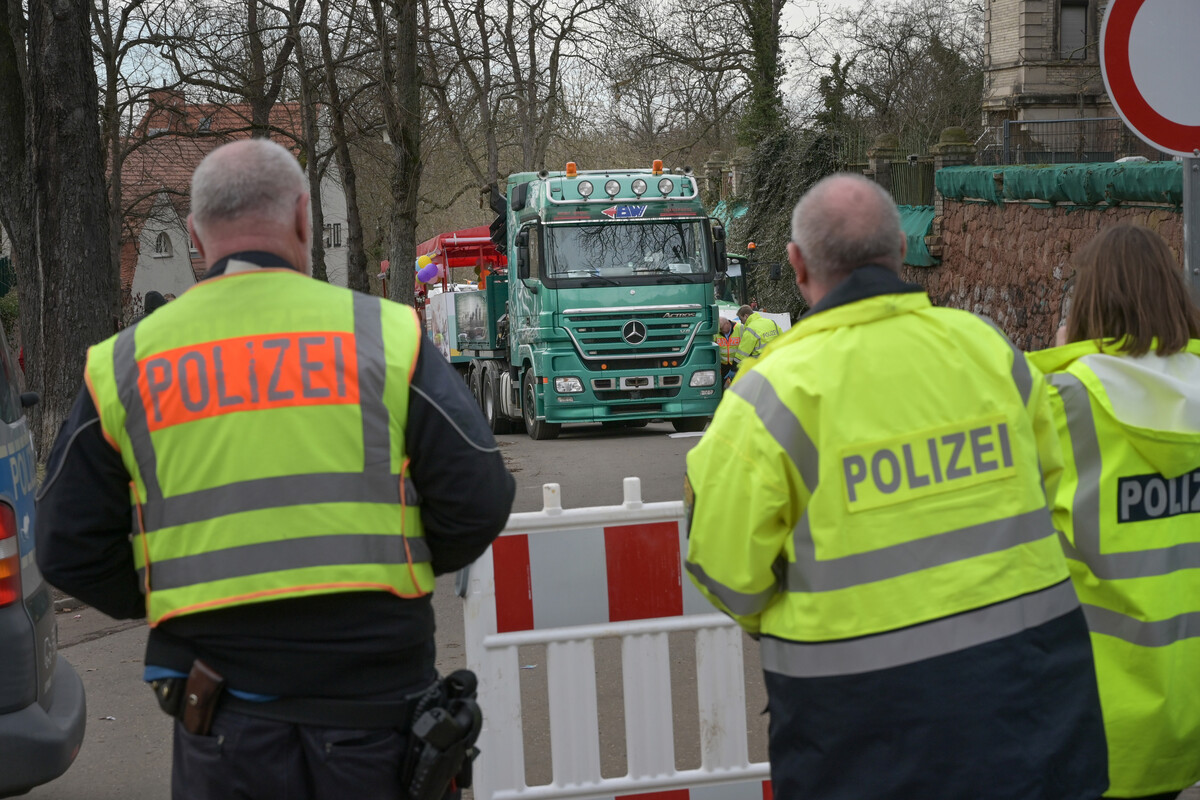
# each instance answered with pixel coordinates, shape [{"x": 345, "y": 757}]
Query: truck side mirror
[
  {"x": 774, "y": 271},
  {"x": 520, "y": 196},
  {"x": 719, "y": 257}
]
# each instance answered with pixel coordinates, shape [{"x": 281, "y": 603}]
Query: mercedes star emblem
[{"x": 634, "y": 332}]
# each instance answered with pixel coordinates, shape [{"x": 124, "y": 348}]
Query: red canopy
[{"x": 470, "y": 247}]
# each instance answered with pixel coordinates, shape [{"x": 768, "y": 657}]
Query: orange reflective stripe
[{"x": 248, "y": 373}]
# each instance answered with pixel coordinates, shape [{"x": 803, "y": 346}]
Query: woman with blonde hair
[{"x": 1125, "y": 390}]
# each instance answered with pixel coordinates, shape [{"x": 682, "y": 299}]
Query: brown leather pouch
[{"x": 200, "y": 697}]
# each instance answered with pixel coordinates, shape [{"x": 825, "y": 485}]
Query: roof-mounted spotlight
[
  {"x": 612, "y": 188},
  {"x": 639, "y": 187}
]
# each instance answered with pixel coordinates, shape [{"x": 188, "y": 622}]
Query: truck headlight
[
  {"x": 704, "y": 377},
  {"x": 569, "y": 385}
]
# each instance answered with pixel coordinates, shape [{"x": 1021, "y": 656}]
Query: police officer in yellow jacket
[
  {"x": 291, "y": 458},
  {"x": 1126, "y": 399},
  {"x": 757, "y": 332},
  {"x": 889, "y": 541}
]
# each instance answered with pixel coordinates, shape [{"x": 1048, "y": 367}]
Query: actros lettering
[
  {"x": 248, "y": 374},
  {"x": 1146, "y": 497},
  {"x": 897, "y": 470}
]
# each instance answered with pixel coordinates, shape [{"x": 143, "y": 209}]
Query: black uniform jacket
[{"x": 359, "y": 644}]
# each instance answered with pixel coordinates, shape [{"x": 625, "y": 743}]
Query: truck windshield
[{"x": 642, "y": 252}]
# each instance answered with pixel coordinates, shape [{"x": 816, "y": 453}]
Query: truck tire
[
  {"x": 489, "y": 401},
  {"x": 689, "y": 424},
  {"x": 538, "y": 429}
]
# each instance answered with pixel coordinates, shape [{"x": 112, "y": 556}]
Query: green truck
[{"x": 606, "y": 311}]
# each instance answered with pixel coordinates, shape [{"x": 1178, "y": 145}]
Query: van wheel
[{"x": 538, "y": 429}]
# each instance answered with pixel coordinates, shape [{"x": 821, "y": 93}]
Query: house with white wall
[{"x": 169, "y": 142}]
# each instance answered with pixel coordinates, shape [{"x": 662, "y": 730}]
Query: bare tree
[
  {"x": 232, "y": 50},
  {"x": 69, "y": 292},
  {"x": 356, "y": 266},
  {"x": 905, "y": 67},
  {"x": 308, "y": 79},
  {"x": 395, "y": 31},
  {"x": 737, "y": 42}
]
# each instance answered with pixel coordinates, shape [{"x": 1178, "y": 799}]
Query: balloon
[{"x": 427, "y": 273}]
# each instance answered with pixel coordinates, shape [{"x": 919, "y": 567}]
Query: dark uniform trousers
[{"x": 250, "y": 758}]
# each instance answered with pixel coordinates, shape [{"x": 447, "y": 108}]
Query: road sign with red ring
[{"x": 1150, "y": 58}]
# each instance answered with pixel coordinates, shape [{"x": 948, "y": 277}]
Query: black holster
[{"x": 446, "y": 724}]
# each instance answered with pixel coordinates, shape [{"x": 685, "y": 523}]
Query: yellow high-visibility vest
[
  {"x": 1129, "y": 509},
  {"x": 756, "y": 333},
  {"x": 880, "y": 482},
  {"x": 261, "y": 417}
]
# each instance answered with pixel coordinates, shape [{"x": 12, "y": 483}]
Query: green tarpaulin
[
  {"x": 1074, "y": 184},
  {"x": 915, "y": 221}
]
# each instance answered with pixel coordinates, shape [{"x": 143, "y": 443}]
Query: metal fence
[
  {"x": 1062, "y": 141},
  {"x": 912, "y": 182}
]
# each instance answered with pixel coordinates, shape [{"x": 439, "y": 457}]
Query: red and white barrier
[{"x": 564, "y": 578}]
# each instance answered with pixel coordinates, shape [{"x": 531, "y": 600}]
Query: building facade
[
  {"x": 1042, "y": 60},
  {"x": 171, "y": 139}
]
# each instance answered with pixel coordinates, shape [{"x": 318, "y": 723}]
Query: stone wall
[{"x": 1010, "y": 262}]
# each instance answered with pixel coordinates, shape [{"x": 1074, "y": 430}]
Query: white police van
[{"x": 42, "y": 708}]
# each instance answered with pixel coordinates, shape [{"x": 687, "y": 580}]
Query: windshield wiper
[
  {"x": 674, "y": 277},
  {"x": 599, "y": 280}
]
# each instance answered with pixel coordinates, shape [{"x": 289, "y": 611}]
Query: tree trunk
[
  {"x": 16, "y": 192},
  {"x": 308, "y": 116},
  {"x": 356, "y": 254},
  {"x": 72, "y": 276},
  {"x": 406, "y": 144}
]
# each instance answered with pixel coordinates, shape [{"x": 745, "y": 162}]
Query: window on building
[
  {"x": 205, "y": 124},
  {"x": 162, "y": 246},
  {"x": 1073, "y": 29},
  {"x": 333, "y": 234}
]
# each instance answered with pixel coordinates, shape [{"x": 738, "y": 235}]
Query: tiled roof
[{"x": 168, "y": 143}]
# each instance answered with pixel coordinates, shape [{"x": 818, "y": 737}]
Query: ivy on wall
[{"x": 781, "y": 169}]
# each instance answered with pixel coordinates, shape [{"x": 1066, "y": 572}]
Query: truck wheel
[
  {"x": 489, "y": 399},
  {"x": 689, "y": 424},
  {"x": 537, "y": 429}
]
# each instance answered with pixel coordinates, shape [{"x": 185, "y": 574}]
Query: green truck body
[{"x": 606, "y": 313}]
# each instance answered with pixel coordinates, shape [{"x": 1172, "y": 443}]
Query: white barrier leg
[
  {"x": 574, "y": 721},
  {"x": 720, "y": 679},
  {"x": 501, "y": 762},
  {"x": 649, "y": 737}
]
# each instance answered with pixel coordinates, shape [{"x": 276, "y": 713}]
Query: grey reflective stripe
[
  {"x": 810, "y": 574},
  {"x": 1144, "y": 633},
  {"x": 737, "y": 602},
  {"x": 918, "y": 642},
  {"x": 277, "y": 492},
  {"x": 125, "y": 371},
  {"x": 267, "y": 557},
  {"x": 781, "y": 422},
  {"x": 1021, "y": 374},
  {"x": 372, "y": 375},
  {"x": 1085, "y": 448},
  {"x": 1142, "y": 563},
  {"x": 737, "y": 354}
]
